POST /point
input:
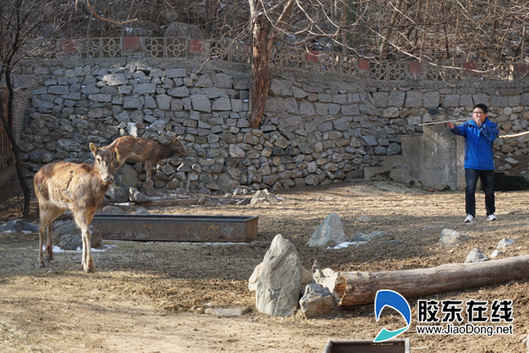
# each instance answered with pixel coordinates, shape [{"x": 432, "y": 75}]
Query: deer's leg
[
  {"x": 49, "y": 243},
  {"x": 87, "y": 262},
  {"x": 83, "y": 218},
  {"x": 42, "y": 233},
  {"x": 148, "y": 172},
  {"x": 53, "y": 213},
  {"x": 43, "y": 229},
  {"x": 47, "y": 215}
]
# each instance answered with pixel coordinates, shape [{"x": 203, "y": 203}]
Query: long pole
[
  {"x": 442, "y": 122},
  {"x": 459, "y": 121},
  {"x": 514, "y": 135}
]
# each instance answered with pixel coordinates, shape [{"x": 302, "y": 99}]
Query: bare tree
[
  {"x": 20, "y": 23},
  {"x": 264, "y": 31},
  {"x": 491, "y": 33}
]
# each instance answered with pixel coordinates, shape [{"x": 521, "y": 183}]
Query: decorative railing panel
[{"x": 282, "y": 58}]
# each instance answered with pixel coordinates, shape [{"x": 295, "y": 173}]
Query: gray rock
[
  {"x": 226, "y": 183},
  {"x": 145, "y": 88},
  {"x": 451, "y": 100},
  {"x": 391, "y": 112},
  {"x": 58, "y": 90},
  {"x": 109, "y": 209},
  {"x": 279, "y": 279},
  {"x": 178, "y": 92},
  {"x": 504, "y": 243},
  {"x": 132, "y": 103},
  {"x": 414, "y": 99},
  {"x": 223, "y": 81},
  {"x": 264, "y": 196},
  {"x": 306, "y": 108},
  {"x": 164, "y": 101},
  {"x": 221, "y": 104},
  {"x": 18, "y": 225},
  {"x": 68, "y": 235},
  {"x": 281, "y": 87},
  {"x": 236, "y": 151},
  {"x": 450, "y": 237},
  {"x": 124, "y": 90},
  {"x": 204, "y": 81},
  {"x": 431, "y": 99},
  {"x": 102, "y": 98},
  {"x": 396, "y": 98},
  {"x": 329, "y": 233},
  {"x": 136, "y": 196},
  {"x": 115, "y": 79},
  {"x": 370, "y": 140},
  {"x": 316, "y": 301},
  {"x": 475, "y": 255},
  {"x": 495, "y": 253},
  {"x": 69, "y": 145},
  {"x": 117, "y": 193},
  {"x": 175, "y": 73},
  {"x": 201, "y": 103}
]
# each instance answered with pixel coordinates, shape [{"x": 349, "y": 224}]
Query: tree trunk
[
  {"x": 260, "y": 70},
  {"x": 8, "y": 124},
  {"x": 353, "y": 288}
]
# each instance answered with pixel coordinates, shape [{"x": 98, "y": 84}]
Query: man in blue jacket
[{"x": 479, "y": 134}]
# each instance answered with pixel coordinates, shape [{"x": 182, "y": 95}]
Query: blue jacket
[{"x": 478, "y": 143}]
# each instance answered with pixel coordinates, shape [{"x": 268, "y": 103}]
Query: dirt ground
[{"x": 153, "y": 297}]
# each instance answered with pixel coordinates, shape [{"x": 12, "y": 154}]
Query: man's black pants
[{"x": 487, "y": 182}]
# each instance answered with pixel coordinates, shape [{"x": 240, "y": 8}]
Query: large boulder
[{"x": 279, "y": 279}]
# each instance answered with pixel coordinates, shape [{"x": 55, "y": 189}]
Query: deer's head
[
  {"x": 178, "y": 147},
  {"x": 103, "y": 163}
]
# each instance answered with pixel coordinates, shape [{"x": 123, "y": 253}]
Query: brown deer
[
  {"x": 143, "y": 150},
  {"x": 77, "y": 187}
]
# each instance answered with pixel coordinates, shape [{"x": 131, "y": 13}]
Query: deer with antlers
[
  {"x": 149, "y": 152},
  {"x": 77, "y": 187}
]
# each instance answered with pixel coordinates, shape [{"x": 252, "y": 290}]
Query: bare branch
[{"x": 104, "y": 19}]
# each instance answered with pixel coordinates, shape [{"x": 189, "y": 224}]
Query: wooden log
[{"x": 353, "y": 288}]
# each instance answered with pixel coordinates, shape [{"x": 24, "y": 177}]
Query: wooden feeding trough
[
  {"x": 394, "y": 346},
  {"x": 176, "y": 228}
]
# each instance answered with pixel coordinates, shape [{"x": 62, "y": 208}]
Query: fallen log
[{"x": 354, "y": 288}]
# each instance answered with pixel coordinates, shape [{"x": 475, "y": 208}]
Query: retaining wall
[{"x": 319, "y": 128}]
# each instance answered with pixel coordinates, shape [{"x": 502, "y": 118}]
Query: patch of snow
[
  {"x": 346, "y": 244},
  {"x": 56, "y": 249},
  {"x": 218, "y": 243},
  {"x": 105, "y": 247}
]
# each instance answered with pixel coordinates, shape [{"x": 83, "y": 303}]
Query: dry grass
[{"x": 148, "y": 297}]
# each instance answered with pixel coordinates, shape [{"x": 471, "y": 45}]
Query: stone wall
[{"x": 318, "y": 128}]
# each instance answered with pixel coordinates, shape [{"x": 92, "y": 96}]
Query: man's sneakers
[{"x": 469, "y": 219}]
